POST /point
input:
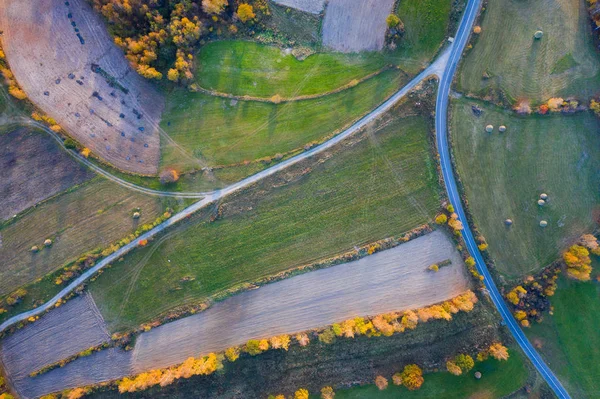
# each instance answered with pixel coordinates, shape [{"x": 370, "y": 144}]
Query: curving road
[
  {"x": 441, "y": 127},
  {"x": 436, "y": 68}
]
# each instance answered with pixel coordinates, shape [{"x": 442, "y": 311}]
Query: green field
[
  {"x": 525, "y": 68},
  {"x": 504, "y": 174},
  {"x": 498, "y": 379},
  {"x": 253, "y": 69},
  {"x": 426, "y": 27},
  {"x": 90, "y": 216},
  {"x": 221, "y": 131},
  {"x": 382, "y": 186},
  {"x": 570, "y": 340}
]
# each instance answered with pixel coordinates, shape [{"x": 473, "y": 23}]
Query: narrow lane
[{"x": 441, "y": 126}]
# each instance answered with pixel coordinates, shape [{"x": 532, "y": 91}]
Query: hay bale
[
  {"x": 508, "y": 222},
  {"x": 489, "y": 128},
  {"x": 541, "y": 202},
  {"x": 538, "y": 34},
  {"x": 48, "y": 242},
  {"x": 543, "y": 223},
  {"x": 502, "y": 129},
  {"x": 477, "y": 374},
  {"x": 544, "y": 196}
]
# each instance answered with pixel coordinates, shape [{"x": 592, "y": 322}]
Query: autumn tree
[
  {"x": 498, "y": 351},
  {"x": 301, "y": 394},
  {"x": 515, "y": 295},
  {"x": 595, "y": 107},
  {"x": 327, "y": 393},
  {"x": 232, "y": 354},
  {"x": 169, "y": 176},
  {"x": 465, "y": 362},
  {"x": 280, "y": 342},
  {"x": 441, "y": 219},
  {"x": 453, "y": 368},
  {"x": 213, "y": 6},
  {"x": 591, "y": 243},
  {"x": 381, "y": 382},
  {"x": 302, "y": 339},
  {"x": 392, "y": 21},
  {"x": 412, "y": 377},
  {"x": 579, "y": 264},
  {"x": 255, "y": 347},
  {"x": 245, "y": 12}
]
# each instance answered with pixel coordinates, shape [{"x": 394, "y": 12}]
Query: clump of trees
[
  {"x": 461, "y": 363},
  {"x": 395, "y": 30},
  {"x": 205, "y": 365},
  {"x": 530, "y": 299},
  {"x": 13, "y": 87},
  {"x": 578, "y": 262},
  {"x": 411, "y": 377},
  {"x": 162, "y": 37}
]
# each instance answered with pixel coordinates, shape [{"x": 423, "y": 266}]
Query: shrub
[
  {"x": 397, "y": 379},
  {"x": 245, "y": 12},
  {"x": 327, "y": 393},
  {"x": 392, "y": 21},
  {"x": 453, "y": 368},
  {"x": 301, "y": 394},
  {"x": 441, "y": 219},
  {"x": 70, "y": 144},
  {"x": 232, "y": 354},
  {"x": 412, "y": 377},
  {"x": 381, "y": 382},
  {"x": 169, "y": 176},
  {"x": 327, "y": 336}
]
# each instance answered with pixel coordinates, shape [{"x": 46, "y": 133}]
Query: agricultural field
[
  {"x": 503, "y": 175},
  {"x": 426, "y": 24},
  {"x": 84, "y": 218},
  {"x": 221, "y": 131},
  {"x": 499, "y": 379},
  {"x": 383, "y": 185},
  {"x": 247, "y": 68},
  {"x": 568, "y": 340},
  {"x": 33, "y": 168},
  {"x": 507, "y": 58}
]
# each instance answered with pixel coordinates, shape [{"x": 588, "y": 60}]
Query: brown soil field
[
  {"x": 51, "y": 49},
  {"x": 66, "y": 331},
  {"x": 356, "y": 25},
  {"x": 32, "y": 168},
  {"x": 311, "y": 6},
  {"x": 92, "y": 216}
]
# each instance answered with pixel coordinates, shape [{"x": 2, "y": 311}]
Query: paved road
[
  {"x": 209, "y": 197},
  {"x": 461, "y": 39}
]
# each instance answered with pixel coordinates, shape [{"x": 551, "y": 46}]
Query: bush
[
  {"x": 392, "y": 21},
  {"x": 441, "y": 219},
  {"x": 327, "y": 393},
  {"x": 169, "y": 176},
  {"x": 70, "y": 144},
  {"x": 381, "y": 382}
]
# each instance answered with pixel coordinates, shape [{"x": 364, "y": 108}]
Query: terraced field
[
  {"x": 564, "y": 62},
  {"x": 504, "y": 174},
  {"x": 384, "y": 185}
]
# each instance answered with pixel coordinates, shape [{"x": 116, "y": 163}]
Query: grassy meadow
[
  {"x": 382, "y": 186},
  {"x": 569, "y": 339},
  {"x": 498, "y": 380},
  {"x": 221, "y": 131},
  {"x": 504, "y": 174},
  {"x": 248, "y": 68},
  {"x": 564, "y": 62}
]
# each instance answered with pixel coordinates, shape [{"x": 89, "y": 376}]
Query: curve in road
[
  {"x": 461, "y": 39},
  {"x": 209, "y": 197}
]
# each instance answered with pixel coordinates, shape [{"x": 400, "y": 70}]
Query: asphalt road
[{"x": 441, "y": 126}]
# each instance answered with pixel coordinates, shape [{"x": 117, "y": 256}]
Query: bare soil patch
[
  {"x": 356, "y": 25},
  {"x": 65, "y": 331},
  {"x": 54, "y": 51},
  {"x": 311, "y": 6},
  {"x": 32, "y": 168}
]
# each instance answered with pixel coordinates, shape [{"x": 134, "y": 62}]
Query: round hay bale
[
  {"x": 489, "y": 128},
  {"x": 48, "y": 242},
  {"x": 34, "y": 248},
  {"x": 477, "y": 374},
  {"x": 543, "y": 223},
  {"x": 541, "y": 202},
  {"x": 508, "y": 222},
  {"x": 477, "y": 29},
  {"x": 538, "y": 34},
  {"x": 502, "y": 129},
  {"x": 544, "y": 196},
  {"x": 136, "y": 215}
]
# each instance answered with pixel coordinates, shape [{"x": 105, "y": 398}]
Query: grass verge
[
  {"x": 504, "y": 174},
  {"x": 382, "y": 185}
]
